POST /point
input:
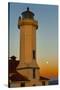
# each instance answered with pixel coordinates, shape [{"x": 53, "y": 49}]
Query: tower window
[
  {"x": 22, "y": 84},
  {"x": 33, "y": 72},
  {"x": 33, "y": 54},
  {"x": 43, "y": 82},
  {"x": 33, "y": 85}
]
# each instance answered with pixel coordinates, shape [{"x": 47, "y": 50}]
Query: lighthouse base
[{"x": 31, "y": 71}]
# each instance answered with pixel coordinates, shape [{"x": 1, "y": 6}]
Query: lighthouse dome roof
[{"x": 28, "y": 14}]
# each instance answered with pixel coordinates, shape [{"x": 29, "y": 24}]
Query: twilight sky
[{"x": 47, "y": 35}]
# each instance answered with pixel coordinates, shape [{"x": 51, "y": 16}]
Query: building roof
[
  {"x": 44, "y": 78},
  {"x": 18, "y": 77},
  {"x": 15, "y": 76}
]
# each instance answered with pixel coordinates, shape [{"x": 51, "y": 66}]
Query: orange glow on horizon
[{"x": 49, "y": 69}]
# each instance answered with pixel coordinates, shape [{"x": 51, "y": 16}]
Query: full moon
[{"x": 46, "y": 62}]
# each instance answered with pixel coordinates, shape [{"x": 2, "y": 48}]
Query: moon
[{"x": 46, "y": 62}]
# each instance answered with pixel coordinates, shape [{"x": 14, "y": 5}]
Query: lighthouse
[{"x": 28, "y": 67}]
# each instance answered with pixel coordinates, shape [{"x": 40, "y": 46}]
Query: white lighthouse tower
[{"x": 28, "y": 67}]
